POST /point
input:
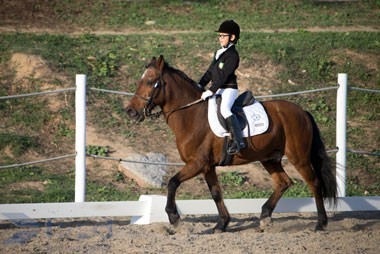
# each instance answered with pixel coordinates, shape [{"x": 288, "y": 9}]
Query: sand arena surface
[{"x": 349, "y": 232}]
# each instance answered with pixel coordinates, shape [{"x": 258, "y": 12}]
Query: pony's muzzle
[{"x": 134, "y": 114}]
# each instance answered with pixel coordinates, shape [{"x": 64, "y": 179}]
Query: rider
[{"x": 221, "y": 73}]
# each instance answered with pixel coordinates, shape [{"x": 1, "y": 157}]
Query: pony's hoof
[
  {"x": 178, "y": 223},
  {"x": 174, "y": 219},
  {"x": 265, "y": 222},
  {"x": 319, "y": 227},
  {"x": 221, "y": 226},
  {"x": 218, "y": 231}
]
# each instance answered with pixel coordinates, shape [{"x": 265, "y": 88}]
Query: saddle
[
  {"x": 251, "y": 115},
  {"x": 241, "y": 101}
]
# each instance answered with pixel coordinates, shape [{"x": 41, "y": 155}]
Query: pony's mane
[{"x": 180, "y": 73}]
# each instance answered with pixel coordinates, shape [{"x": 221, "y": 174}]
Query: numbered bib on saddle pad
[{"x": 251, "y": 114}]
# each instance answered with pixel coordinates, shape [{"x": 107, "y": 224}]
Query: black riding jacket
[{"x": 221, "y": 72}]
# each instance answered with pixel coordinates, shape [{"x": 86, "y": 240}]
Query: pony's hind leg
[
  {"x": 216, "y": 193},
  {"x": 281, "y": 183},
  {"x": 315, "y": 186}
]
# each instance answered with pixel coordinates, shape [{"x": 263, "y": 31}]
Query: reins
[{"x": 157, "y": 114}]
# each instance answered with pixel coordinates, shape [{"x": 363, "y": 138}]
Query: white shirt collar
[{"x": 222, "y": 50}]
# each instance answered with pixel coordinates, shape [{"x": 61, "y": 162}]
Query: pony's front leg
[
  {"x": 189, "y": 171},
  {"x": 216, "y": 193},
  {"x": 171, "y": 208}
]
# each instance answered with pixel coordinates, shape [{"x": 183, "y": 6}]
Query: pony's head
[{"x": 149, "y": 91}]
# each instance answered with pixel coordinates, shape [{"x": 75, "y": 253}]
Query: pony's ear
[
  {"x": 152, "y": 62},
  {"x": 161, "y": 63}
]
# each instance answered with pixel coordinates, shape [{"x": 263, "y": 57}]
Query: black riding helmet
[{"x": 230, "y": 27}]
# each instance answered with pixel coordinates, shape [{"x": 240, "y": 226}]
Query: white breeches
[{"x": 228, "y": 98}]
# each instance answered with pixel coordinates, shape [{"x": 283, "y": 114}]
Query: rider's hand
[{"x": 206, "y": 94}]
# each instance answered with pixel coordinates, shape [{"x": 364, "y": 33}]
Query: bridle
[{"x": 150, "y": 105}]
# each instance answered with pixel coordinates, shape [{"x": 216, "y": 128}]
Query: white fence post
[
  {"x": 80, "y": 138},
  {"x": 341, "y": 121}
]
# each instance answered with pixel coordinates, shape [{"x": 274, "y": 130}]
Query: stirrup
[
  {"x": 233, "y": 148},
  {"x": 242, "y": 145}
]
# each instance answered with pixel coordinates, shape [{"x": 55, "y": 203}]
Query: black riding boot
[{"x": 234, "y": 129}]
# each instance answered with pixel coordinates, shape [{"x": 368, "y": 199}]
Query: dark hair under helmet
[{"x": 230, "y": 27}]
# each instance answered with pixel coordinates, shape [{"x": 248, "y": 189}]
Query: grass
[
  {"x": 174, "y": 15},
  {"x": 17, "y": 143},
  {"x": 115, "y": 62},
  {"x": 48, "y": 186}
]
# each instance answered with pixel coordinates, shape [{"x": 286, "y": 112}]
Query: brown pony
[{"x": 292, "y": 132}]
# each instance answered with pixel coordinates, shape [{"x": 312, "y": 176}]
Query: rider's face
[{"x": 224, "y": 39}]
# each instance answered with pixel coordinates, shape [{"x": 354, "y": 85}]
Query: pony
[{"x": 292, "y": 132}]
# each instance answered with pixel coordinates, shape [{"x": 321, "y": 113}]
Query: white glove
[{"x": 206, "y": 94}]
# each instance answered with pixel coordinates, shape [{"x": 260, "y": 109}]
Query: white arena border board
[{"x": 151, "y": 208}]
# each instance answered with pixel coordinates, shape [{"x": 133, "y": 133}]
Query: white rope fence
[
  {"x": 364, "y": 89},
  {"x": 162, "y": 163},
  {"x": 37, "y": 93},
  {"x": 151, "y": 208},
  {"x": 297, "y": 93},
  {"x": 38, "y": 161},
  {"x": 179, "y": 164},
  {"x": 17, "y": 96},
  {"x": 110, "y": 91}
]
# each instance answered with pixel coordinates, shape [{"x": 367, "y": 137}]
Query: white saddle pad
[{"x": 257, "y": 119}]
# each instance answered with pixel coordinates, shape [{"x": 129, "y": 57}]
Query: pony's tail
[{"x": 322, "y": 165}]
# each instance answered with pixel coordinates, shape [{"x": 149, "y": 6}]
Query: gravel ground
[{"x": 349, "y": 232}]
